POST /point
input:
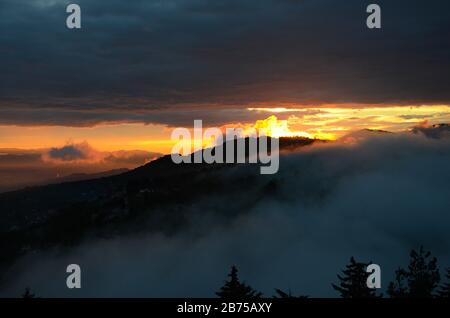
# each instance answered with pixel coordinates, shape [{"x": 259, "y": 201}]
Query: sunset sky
[
  {"x": 91, "y": 179},
  {"x": 136, "y": 70},
  {"x": 322, "y": 123}
]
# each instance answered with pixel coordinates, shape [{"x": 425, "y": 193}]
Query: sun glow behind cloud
[
  {"x": 272, "y": 126},
  {"x": 334, "y": 122},
  {"x": 324, "y": 122}
]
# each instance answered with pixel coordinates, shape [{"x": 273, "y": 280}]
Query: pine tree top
[
  {"x": 28, "y": 294},
  {"x": 353, "y": 281},
  {"x": 419, "y": 280},
  {"x": 234, "y": 289}
]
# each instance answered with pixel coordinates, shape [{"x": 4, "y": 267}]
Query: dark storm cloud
[
  {"x": 177, "y": 54},
  {"x": 68, "y": 115}
]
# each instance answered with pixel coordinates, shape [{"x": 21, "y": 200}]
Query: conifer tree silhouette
[
  {"x": 421, "y": 278},
  {"x": 444, "y": 290},
  {"x": 288, "y": 295},
  {"x": 397, "y": 288},
  {"x": 234, "y": 289},
  {"x": 28, "y": 294},
  {"x": 353, "y": 282}
]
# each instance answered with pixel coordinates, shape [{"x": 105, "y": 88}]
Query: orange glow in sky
[{"x": 313, "y": 122}]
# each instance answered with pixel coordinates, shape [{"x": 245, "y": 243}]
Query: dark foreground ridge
[{"x": 153, "y": 197}]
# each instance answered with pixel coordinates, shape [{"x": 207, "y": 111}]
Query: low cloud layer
[
  {"x": 21, "y": 168},
  {"x": 374, "y": 200},
  {"x": 72, "y": 152},
  {"x": 83, "y": 153}
]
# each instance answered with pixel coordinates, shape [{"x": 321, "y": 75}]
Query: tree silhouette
[
  {"x": 444, "y": 290},
  {"x": 28, "y": 294},
  {"x": 420, "y": 279},
  {"x": 397, "y": 288},
  {"x": 353, "y": 282},
  {"x": 234, "y": 289},
  {"x": 288, "y": 295}
]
